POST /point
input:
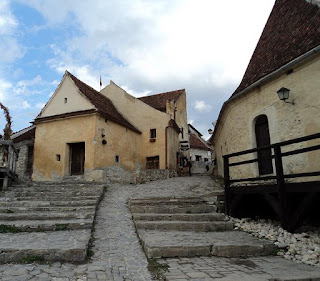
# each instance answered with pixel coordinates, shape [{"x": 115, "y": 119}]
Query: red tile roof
[
  {"x": 104, "y": 105},
  {"x": 293, "y": 28},
  {"x": 159, "y": 101},
  {"x": 196, "y": 142}
]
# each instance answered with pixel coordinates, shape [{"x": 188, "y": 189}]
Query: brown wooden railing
[{"x": 279, "y": 175}]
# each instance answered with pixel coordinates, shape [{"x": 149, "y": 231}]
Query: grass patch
[
  {"x": 33, "y": 259},
  {"x": 157, "y": 270},
  {"x": 90, "y": 253},
  {"x": 62, "y": 226},
  {"x": 275, "y": 251},
  {"x": 8, "y": 229},
  {"x": 8, "y": 211}
]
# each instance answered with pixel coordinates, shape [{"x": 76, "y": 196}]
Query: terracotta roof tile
[
  {"x": 196, "y": 142},
  {"x": 159, "y": 101},
  {"x": 103, "y": 104},
  {"x": 293, "y": 28}
]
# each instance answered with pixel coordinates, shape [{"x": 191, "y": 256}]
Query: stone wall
[{"x": 151, "y": 175}]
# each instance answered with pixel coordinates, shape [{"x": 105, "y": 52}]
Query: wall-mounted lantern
[
  {"x": 210, "y": 131},
  {"x": 283, "y": 94}
]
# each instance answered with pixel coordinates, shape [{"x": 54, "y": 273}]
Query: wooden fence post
[
  {"x": 281, "y": 187},
  {"x": 227, "y": 191}
]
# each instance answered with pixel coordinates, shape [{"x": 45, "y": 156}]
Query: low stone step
[
  {"x": 184, "y": 225},
  {"x": 34, "y": 203},
  {"x": 167, "y": 209},
  {"x": 53, "y": 188},
  {"x": 180, "y": 217},
  {"x": 45, "y": 215},
  {"x": 162, "y": 244},
  {"x": 166, "y": 200},
  {"x": 49, "y": 225},
  {"x": 63, "y": 246},
  {"x": 47, "y": 197},
  {"x": 16, "y": 209}
]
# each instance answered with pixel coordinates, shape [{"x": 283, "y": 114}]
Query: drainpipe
[{"x": 166, "y": 147}]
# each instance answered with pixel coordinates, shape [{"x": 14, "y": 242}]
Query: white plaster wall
[
  {"x": 75, "y": 100},
  {"x": 235, "y": 131}
]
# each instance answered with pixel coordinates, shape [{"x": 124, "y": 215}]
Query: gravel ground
[{"x": 303, "y": 247}]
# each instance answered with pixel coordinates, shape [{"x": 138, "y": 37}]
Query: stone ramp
[
  {"x": 159, "y": 244},
  {"x": 189, "y": 227},
  {"x": 50, "y": 221}
]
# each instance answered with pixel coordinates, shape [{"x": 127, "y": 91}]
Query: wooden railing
[
  {"x": 8, "y": 160},
  {"x": 278, "y": 176}
]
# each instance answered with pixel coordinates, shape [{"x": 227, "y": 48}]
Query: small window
[
  {"x": 182, "y": 132},
  {"x": 198, "y": 158},
  {"x": 205, "y": 159},
  {"x": 58, "y": 157},
  {"x": 65, "y": 100},
  {"x": 117, "y": 159},
  {"x": 152, "y": 162},
  {"x": 153, "y": 133}
]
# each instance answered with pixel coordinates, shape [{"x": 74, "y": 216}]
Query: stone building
[
  {"x": 24, "y": 143},
  {"x": 108, "y": 135},
  {"x": 286, "y": 56}
]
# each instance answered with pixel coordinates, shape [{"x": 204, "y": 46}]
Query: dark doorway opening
[
  {"x": 29, "y": 168},
  {"x": 263, "y": 139},
  {"x": 77, "y": 158}
]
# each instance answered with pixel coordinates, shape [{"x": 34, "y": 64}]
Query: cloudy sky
[{"x": 144, "y": 46}]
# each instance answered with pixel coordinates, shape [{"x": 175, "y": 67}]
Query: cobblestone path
[{"x": 117, "y": 252}]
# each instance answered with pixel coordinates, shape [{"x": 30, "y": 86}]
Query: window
[
  {"x": 152, "y": 162},
  {"x": 58, "y": 157},
  {"x": 65, "y": 100},
  {"x": 205, "y": 159},
  {"x": 153, "y": 133},
  {"x": 198, "y": 158},
  {"x": 117, "y": 159}
]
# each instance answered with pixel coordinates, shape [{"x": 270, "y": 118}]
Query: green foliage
[
  {"x": 33, "y": 259},
  {"x": 156, "y": 269},
  {"x": 8, "y": 211},
  {"x": 62, "y": 226},
  {"x": 8, "y": 229}
]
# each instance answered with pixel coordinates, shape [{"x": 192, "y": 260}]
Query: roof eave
[{"x": 264, "y": 79}]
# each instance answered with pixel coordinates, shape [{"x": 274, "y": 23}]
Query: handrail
[{"x": 279, "y": 173}]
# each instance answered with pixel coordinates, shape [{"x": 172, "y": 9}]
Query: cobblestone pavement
[
  {"x": 117, "y": 252},
  {"x": 224, "y": 269}
]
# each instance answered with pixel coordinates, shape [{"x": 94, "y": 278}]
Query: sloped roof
[
  {"x": 293, "y": 28},
  {"x": 26, "y": 133},
  {"x": 104, "y": 105},
  {"x": 159, "y": 101},
  {"x": 196, "y": 142}
]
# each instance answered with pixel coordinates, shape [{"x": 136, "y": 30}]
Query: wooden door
[
  {"x": 29, "y": 168},
  {"x": 263, "y": 139},
  {"x": 77, "y": 158}
]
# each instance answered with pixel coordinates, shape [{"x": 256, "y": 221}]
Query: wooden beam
[{"x": 273, "y": 202}]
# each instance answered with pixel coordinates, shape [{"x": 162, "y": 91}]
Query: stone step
[
  {"x": 179, "y": 217},
  {"x": 46, "y": 215},
  {"x": 63, "y": 246},
  {"x": 59, "y": 188},
  {"x": 33, "y": 203},
  {"x": 48, "y": 196},
  {"x": 166, "y": 200},
  {"x": 184, "y": 225},
  {"x": 165, "y": 209},
  {"x": 162, "y": 244},
  {"x": 16, "y": 209},
  {"x": 49, "y": 225}
]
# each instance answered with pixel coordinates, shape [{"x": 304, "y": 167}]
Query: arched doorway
[{"x": 263, "y": 139}]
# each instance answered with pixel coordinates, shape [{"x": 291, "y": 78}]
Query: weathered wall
[
  {"x": 75, "y": 100},
  {"x": 235, "y": 131},
  {"x": 173, "y": 147},
  {"x": 203, "y": 153},
  {"x": 144, "y": 117},
  {"x": 52, "y": 138}
]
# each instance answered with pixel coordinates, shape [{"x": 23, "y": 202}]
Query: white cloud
[
  {"x": 25, "y": 104},
  {"x": 201, "y": 105},
  {"x": 40, "y": 105},
  {"x": 5, "y": 88},
  {"x": 8, "y": 23},
  {"x": 28, "y": 87}
]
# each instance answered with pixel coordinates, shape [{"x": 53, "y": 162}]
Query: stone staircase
[
  {"x": 189, "y": 227},
  {"x": 47, "y": 221}
]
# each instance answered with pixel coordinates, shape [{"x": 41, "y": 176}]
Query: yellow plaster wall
[
  {"x": 236, "y": 127},
  {"x": 120, "y": 141},
  {"x": 75, "y": 100},
  {"x": 52, "y": 138},
  {"x": 173, "y": 148},
  {"x": 144, "y": 117}
]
